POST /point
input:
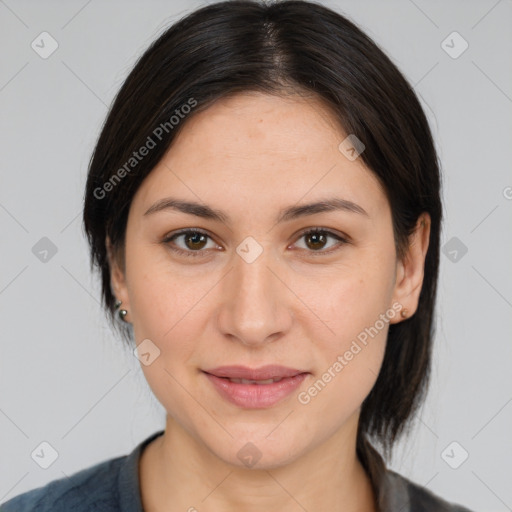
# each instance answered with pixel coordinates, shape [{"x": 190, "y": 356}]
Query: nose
[{"x": 256, "y": 303}]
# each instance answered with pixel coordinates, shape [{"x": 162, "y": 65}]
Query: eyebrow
[{"x": 290, "y": 213}]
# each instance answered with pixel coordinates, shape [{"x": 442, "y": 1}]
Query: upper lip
[{"x": 271, "y": 371}]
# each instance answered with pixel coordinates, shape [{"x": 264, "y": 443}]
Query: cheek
[
  {"x": 166, "y": 309},
  {"x": 350, "y": 354},
  {"x": 165, "y": 314},
  {"x": 356, "y": 309},
  {"x": 353, "y": 302},
  {"x": 159, "y": 294},
  {"x": 169, "y": 316}
]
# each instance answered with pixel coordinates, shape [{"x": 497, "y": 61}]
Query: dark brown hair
[{"x": 300, "y": 46}]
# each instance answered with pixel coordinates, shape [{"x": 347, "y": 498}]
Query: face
[{"x": 253, "y": 288}]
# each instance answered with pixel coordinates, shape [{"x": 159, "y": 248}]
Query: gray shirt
[{"x": 113, "y": 486}]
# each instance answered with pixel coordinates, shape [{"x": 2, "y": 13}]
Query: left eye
[
  {"x": 318, "y": 237},
  {"x": 195, "y": 241}
]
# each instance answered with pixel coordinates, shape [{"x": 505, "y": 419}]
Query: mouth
[
  {"x": 267, "y": 372},
  {"x": 259, "y": 382},
  {"x": 255, "y": 388}
]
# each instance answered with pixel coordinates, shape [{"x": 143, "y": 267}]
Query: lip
[
  {"x": 269, "y": 371},
  {"x": 255, "y": 396}
]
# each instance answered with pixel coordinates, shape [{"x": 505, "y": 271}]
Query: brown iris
[
  {"x": 318, "y": 240},
  {"x": 194, "y": 240}
]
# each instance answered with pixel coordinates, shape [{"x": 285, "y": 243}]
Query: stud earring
[
  {"x": 122, "y": 312},
  {"x": 404, "y": 313}
]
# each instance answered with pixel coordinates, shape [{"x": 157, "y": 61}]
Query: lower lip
[{"x": 256, "y": 396}]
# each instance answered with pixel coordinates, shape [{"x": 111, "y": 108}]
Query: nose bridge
[{"x": 254, "y": 306}]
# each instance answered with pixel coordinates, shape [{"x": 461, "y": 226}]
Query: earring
[
  {"x": 404, "y": 313},
  {"x": 122, "y": 312}
]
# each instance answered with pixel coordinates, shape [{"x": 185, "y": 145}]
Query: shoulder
[
  {"x": 417, "y": 498},
  {"x": 93, "y": 488}
]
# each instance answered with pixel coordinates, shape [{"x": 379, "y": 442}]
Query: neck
[{"x": 178, "y": 472}]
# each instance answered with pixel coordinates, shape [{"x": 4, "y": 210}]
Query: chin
[{"x": 255, "y": 449}]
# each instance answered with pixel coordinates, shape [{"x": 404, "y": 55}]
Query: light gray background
[{"x": 65, "y": 378}]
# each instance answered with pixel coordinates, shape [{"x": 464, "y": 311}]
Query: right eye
[{"x": 193, "y": 239}]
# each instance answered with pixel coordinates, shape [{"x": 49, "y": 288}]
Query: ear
[
  {"x": 410, "y": 270},
  {"x": 117, "y": 277}
]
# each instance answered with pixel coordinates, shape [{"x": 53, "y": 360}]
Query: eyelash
[{"x": 199, "y": 253}]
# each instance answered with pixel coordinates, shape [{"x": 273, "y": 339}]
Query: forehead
[
  {"x": 261, "y": 124},
  {"x": 253, "y": 145}
]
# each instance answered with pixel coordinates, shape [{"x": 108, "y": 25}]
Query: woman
[{"x": 263, "y": 205}]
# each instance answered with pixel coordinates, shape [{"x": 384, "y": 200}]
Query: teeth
[{"x": 246, "y": 381}]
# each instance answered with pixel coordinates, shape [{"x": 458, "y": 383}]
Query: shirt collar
[
  {"x": 128, "y": 483},
  {"x": 390, "y": 488}
]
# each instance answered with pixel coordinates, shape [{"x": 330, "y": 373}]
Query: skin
[{"x": 250, "y": 156}]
